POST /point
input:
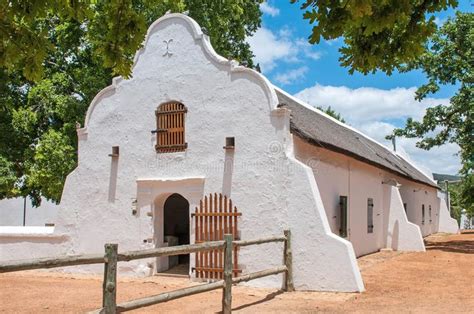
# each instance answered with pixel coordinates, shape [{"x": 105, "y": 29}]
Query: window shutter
[
  {"x": 370, "y": 215},
  {"x": 423, "y": 214},
  {"x": 170, "y": 124},
  {"x": 343, "y": 216}
]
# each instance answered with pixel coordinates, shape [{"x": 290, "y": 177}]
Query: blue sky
[{"x": 373, "y": 103}]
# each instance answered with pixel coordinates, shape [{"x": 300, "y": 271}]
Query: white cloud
[
  {"x": 292, "y": 75},
  {"x": 307, "y": 49},
  {"x": 266, "y": 8},
  {"x": 374, "y": 112},
  {"x": 270, "y": 49},
  {"x": 367, "y": 104}
]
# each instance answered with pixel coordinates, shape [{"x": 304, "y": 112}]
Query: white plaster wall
[
  {"x": 337, "y": 175},
  {"x": 415, "y": 195},
  {"x": 271, "y": 189},
  {"x": 446, "y": 223},
  {"x": 402, "y": 235},
  {"x": 11, "y": 212},
  {"x": 333, "y": 254},
  {"x": 18, "y": 242}
]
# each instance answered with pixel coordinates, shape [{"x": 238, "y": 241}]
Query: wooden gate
[{"x": 215, "y": 217}]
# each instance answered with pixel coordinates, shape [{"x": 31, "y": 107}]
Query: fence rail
[
  {"x": 41, "y": 263},
  {"x": 112, "y": 257}
]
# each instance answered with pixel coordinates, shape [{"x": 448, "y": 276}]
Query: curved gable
[{"x": 167, "y": 45}]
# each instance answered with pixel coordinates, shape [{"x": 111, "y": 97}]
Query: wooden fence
[{"x": 111, "y": 257}]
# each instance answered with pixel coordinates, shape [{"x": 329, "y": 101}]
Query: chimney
[{"x": 394, "y": 143}]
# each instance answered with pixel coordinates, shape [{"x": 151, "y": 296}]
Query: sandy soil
[{"x": 440, "y": 280}]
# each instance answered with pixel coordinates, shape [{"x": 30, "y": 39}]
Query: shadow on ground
[
  {"x": 465, "y": 247},
  {"x": 268, "y": 297}
]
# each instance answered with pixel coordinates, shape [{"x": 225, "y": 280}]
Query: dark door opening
[{"x": 176, "y": 231}]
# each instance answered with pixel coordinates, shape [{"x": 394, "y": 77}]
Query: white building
[{"x": 190, "y": 124}]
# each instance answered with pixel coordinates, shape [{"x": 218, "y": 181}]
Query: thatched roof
[{"x": 321, "y": 130}]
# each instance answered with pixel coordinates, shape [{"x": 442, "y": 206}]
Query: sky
[{"x": 374, "y": 103}]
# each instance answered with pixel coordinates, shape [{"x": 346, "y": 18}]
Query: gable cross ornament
[{"x": 167, "y": 52}]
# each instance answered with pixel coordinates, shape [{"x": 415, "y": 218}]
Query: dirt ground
[{"x": 438, "y": 281}]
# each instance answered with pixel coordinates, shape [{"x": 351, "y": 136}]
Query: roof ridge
[{"x": 386, "y": 149}]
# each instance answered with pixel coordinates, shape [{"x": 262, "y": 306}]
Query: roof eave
[{"x": 339, "y": 150}]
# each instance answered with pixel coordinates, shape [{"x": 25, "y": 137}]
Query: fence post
[
  {"x": 227, "y": 291},
  {"x": 288, "y": 255},
  {"x": 109, "y": 287}
]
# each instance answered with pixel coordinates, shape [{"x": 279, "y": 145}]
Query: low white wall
[
  {"x": 447, "y": 224},
  {"x": 402, "y": 235},
  {"x": 18, "y": 242},
  {"x": 11, "y": 212}
]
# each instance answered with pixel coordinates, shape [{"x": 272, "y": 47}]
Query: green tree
[
  {"x": 449, "y": 60},
  {"x": 114, "y": 30},
  {"x": 466, "y": 194},
  {"x": 55, "y": 56},
  {"x": 331, "y": 112},
  {"x": 378, "y": 34}
]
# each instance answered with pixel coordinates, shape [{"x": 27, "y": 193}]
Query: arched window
[{"x": 170, "y": 136}]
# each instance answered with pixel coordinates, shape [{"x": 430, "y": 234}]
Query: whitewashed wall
[
  {"x": 415, "y": 195},
  {"x": 271, "y": 189},
  {"x": 446, "y": 223},
  {"x": 401, "y": 235},
  {"x": 338, "y": 175},
  {"x": 11, "y": 212}
]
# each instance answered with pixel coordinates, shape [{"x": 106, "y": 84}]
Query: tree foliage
[
  {"x": 466, "y": 194},
  {"x": 114, "y": 30},
  {"x": 449, "y": 60},
  {"x": 378, "y": 34},
  {"x": 56, "y": 55},
  {"x": 461, "y": 196}
]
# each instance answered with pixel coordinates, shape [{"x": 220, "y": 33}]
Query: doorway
[{"x": 176, "y": 231}]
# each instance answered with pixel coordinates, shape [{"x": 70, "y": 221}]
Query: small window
[
  {"x": 170, "y": 135},
  {"x": 429, "y": 213},
  {"x": 423, "y": 214},
  {"x": 370, "y": 215},
  {"x": 343, "y": 215}
]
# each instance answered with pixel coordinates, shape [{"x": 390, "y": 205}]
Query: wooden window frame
[{"x": 170, "y": 127}]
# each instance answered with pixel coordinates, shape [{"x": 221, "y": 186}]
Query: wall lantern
[
  {"x": 115, "y": 151},
  {"x": 229, "y": 143}
]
